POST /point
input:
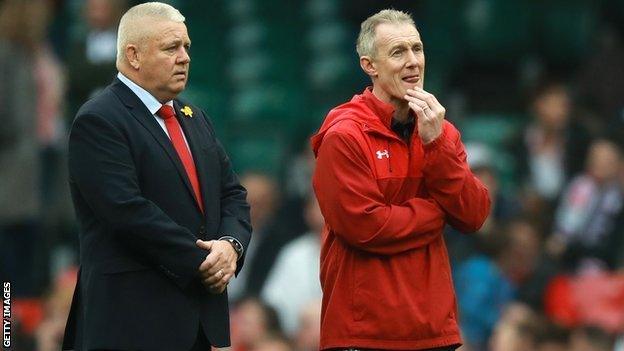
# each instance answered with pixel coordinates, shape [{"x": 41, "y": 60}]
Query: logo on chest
[{"x": 381, "y": 154}]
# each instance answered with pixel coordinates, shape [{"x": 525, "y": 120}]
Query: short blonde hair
[
  {"x": 366, "y": 39},
  {"x": 132, "y": 31}
]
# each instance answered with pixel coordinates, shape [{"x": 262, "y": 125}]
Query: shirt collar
[{"x": 152, "y": 104}]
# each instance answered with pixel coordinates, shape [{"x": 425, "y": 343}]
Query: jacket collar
[
  {"x": 152, "y": 104},
  {"x": 141, "y": 112},
  {"x": 383, "y": 110}
]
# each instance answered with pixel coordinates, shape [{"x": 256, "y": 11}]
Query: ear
[
  {"x": 368, "y": 66},
  {"x": 133, "y": 56}
]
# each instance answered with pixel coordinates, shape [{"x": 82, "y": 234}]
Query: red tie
[{"x": 175, "y": 133}]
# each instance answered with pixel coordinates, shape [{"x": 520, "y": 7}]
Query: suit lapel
[
  {"x": 140, "y": 112},
  {"x": 190, "y": 127}
]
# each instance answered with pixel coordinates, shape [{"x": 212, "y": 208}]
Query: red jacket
[{"x": 385, "y": 271}]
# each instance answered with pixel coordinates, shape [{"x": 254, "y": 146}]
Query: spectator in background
[
  {"x": 619, "y": 343},
  {"x": 586, "y": 220},
  {"x": 273, "y": 344},
  {"x": 515, "y": 331},
  {"x": 512, "y": 337},
  {"x": 590, "y": 338},
  {"x": 92, "y": 55},
  {"x": 299, "y": 173},
  {"x": 551, "y": 337},
  {"x": 486, "y": 285},
  {"x": 50, "y": 332},
  {"x": 308, "y": 331},
  {"x": 601, "y": 82},
  {"x": 294, "y": 279},
  {"x": 263, "y": 196},
  {"x": 481, "y": 162},
  {"x": 253, "y": 322},
  {"x": 30, "y": 107},
  {"x": 297, "y": 190},
  {"x": 547, "y": 152}
]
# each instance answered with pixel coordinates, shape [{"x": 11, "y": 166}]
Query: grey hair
[
  {"x": 366, "y": 39},
  {"x": 132, "y": 31}
]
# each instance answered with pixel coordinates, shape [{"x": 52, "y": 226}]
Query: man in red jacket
[{"x": 390, "y": 173}]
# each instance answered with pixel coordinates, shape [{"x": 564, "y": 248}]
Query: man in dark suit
[{"x": 164, "y": 220}]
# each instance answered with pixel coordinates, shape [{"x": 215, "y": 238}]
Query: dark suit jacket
[{"x": 138, "y": 286}]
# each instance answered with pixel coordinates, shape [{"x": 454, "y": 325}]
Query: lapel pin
[{"x": 187, "y": 111}]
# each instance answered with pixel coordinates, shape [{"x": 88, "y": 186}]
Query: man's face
[
  {"x": 164, "y": 60},
  {"x": 399, "y": 63}
]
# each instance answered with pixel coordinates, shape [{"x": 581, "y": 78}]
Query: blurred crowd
[{"x": 545, "y": 273}]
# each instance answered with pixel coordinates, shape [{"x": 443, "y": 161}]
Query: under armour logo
[{"x": 381, "y": 154}]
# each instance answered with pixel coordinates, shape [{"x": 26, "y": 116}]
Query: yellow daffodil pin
[{"x": 187, "y": 111}]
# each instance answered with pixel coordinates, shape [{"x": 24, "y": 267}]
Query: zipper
[{"x": 389, "y": 163}]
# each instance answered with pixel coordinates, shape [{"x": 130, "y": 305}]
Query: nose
[
  {"x": 412, "y": 59},
  {"x": 183, "y": 56}
]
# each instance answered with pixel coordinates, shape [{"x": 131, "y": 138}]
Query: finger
[
  {"x": 225, "y": 280},
  {"x": 216, "y": 255},
  {"x": 208, "y": 263},
  {"x": 222, "y": 258},
  {"x": 420, "y": 113},
  {"x": 214, "y": 278},
  {"x": 206, "y": 245},
  {"x": 227, "y": 277},
  {"x": 226, "y": 271},
  {"x": 429, "y": 98},
  {"x": 419, "y": 93},
  {"x": 415, "y": 100},
  {"x": 217, "y": 263},
  {"x": 210, "y": 281},
  {"x": 213, "y": 289},
  {"x": 219, "y": 286},
  {"x": 217, "y": 290},
  {"x": 220, "y": 283},
  {"x": 423, "y": 105},
  {"x": 429, "y": 112},
  {"x": 215, "y": 270}
]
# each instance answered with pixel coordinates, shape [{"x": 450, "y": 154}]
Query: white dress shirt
[{"x": 151, "y": 103}]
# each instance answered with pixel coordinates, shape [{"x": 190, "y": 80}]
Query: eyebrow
[
  {"x": 403, "y": 45},
  {"x": 177, "y": 41}
]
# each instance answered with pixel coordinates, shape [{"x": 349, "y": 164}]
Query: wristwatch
[{"x": 235, "y": 244}]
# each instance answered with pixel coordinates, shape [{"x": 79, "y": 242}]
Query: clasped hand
[{"x": 219, "y": 266}]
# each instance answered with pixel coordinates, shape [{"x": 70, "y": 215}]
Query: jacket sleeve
[
  {"x": 356, "y": 210},
  {"x": 451, "y": 183},
  {"x": 102, "y": 169},
  {"x": 235, "y": 221}
]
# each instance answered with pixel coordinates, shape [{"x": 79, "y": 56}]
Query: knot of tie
[{"x": 165, "y": 112}]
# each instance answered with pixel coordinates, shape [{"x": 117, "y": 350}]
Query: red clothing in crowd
[{"x": 385, "y": 272}]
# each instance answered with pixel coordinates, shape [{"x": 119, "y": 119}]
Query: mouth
[
  {"x": 412, "y": 79},
  {"x": 180, "y": 74}
]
